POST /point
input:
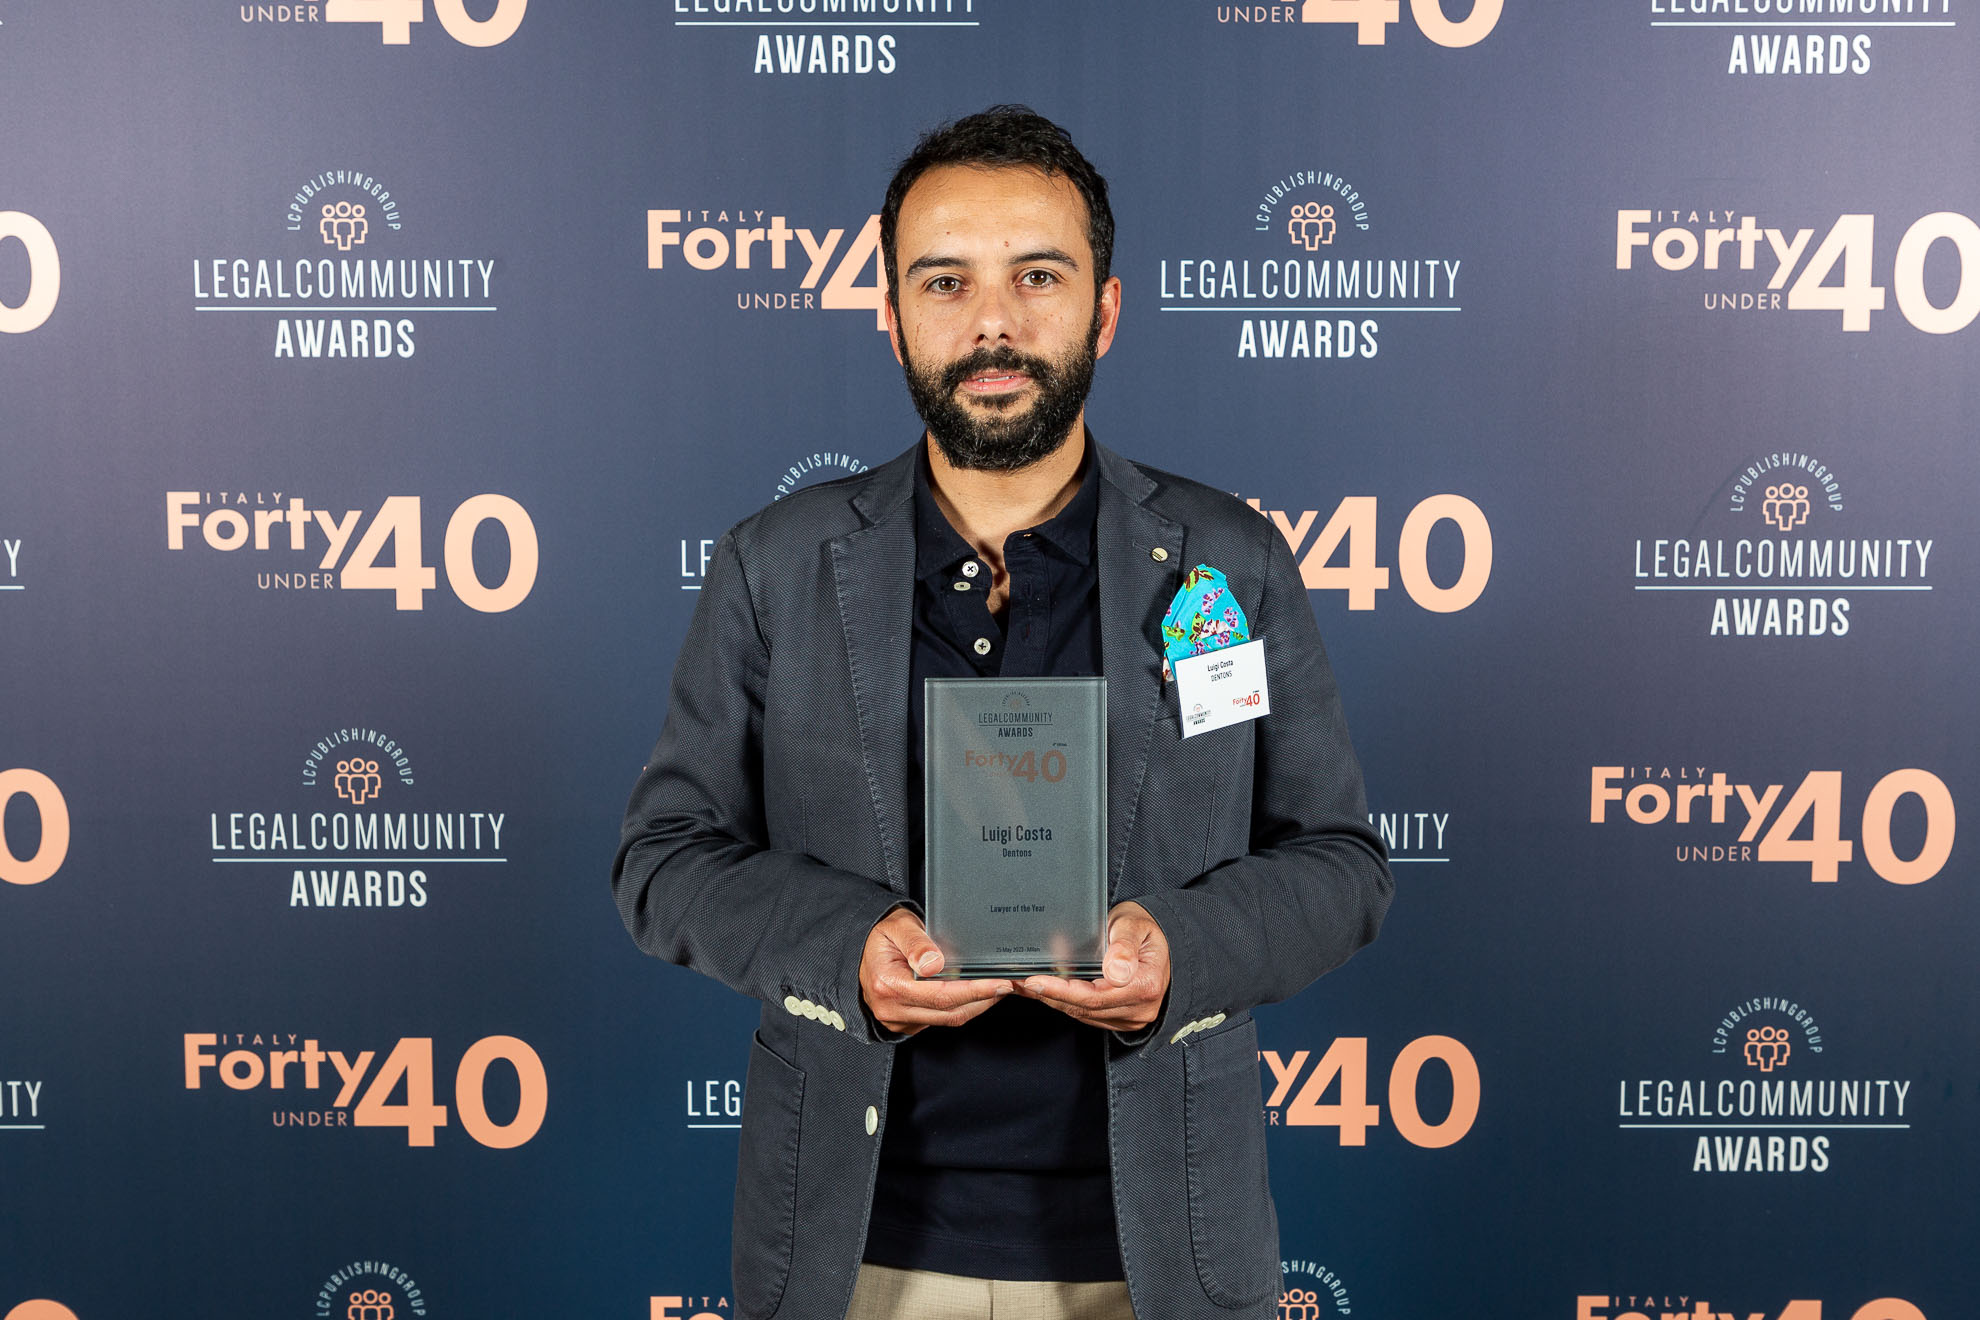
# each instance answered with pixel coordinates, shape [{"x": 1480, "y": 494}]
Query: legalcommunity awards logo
[
  {"x": 1413, "y": 836},
  {"x": 20, "y": 1105},
  {"x": 1779, "y": 553},
  {"x": 811, "y": 469},
  {"x": 764, "y": 264},
  {"x": 1763, "y": 1098},
  {"x": 359, "y": 832},
  {"x": 835, "y": 38},
  {"x": 10, "y": 566},
  {"x": 1821, "y": 40},
  {"x": 1743, "y": 263},
  {"x": 370, "y": 1290},
  {"x": 1905, "y": 821},
  {"x": 292, "y": 546},
  {"x": 1312, "y": 282},
  {"x": 341, "y": 282}
]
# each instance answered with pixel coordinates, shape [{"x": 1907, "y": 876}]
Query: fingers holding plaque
[{"x": 1015, "y": 804}]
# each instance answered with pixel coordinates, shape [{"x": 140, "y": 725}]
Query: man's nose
[{"x": 996, "y": 314}]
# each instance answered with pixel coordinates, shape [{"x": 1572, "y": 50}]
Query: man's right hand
[{"x": 897, "y": 948}]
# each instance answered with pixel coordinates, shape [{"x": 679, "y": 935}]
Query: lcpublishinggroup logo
[
  {"x": 1311, "y": 1291},
  {"x": 1314, "y": 281},
  {"x": 370, "y": 1290},
  {"x": 805, "y": 470}
]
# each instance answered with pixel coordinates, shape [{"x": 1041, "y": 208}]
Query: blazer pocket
[
  {"x": 766, "y": 1180},
  {"x": 1232, "y": 1228}
]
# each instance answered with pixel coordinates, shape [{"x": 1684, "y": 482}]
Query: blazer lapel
[
  {"x": 873, "y": 569},
  {"x": 1141, "y": 566}
]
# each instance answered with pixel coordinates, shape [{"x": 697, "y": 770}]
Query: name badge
[{"x": 1222, "y": 687}]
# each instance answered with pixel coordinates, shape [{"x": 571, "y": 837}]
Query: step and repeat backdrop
[{"x": 377, "y": 375}]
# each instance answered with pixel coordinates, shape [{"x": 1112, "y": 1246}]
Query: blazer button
[
  {"x": 792, "y": 1005},
  {"x": 1159, "y": 555},
  {"x": 872, "y": 1120}
]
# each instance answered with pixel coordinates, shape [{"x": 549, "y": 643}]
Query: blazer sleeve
[
  {"x": 695, "y": 878},
  {"x": 1316, "y": 883}
]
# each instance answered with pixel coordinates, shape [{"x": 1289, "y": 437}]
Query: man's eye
[
  {"x": 1039, "y": 279},
  {"x": 944, "y": 284}
]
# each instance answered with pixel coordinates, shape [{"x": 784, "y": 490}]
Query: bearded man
[{"x": 1042, "y": 1146}]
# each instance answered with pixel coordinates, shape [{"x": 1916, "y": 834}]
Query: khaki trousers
[{"x": 885, "y": 1293}]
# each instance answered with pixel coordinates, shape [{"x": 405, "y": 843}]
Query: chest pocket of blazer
[
  {"x": 1233, "y": 1230},
  {"x": 766, "y": 1181}
]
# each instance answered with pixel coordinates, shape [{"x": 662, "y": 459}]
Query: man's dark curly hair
[{"x": 1003, "y": 135}]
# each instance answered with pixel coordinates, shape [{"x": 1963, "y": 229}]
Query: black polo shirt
[{"x": 995, "y": 1160}]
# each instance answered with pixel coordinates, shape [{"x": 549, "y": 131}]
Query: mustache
[{"x": 1004, "y": 358}]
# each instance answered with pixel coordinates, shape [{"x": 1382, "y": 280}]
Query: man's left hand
[{"x": 1129, "y": 994}]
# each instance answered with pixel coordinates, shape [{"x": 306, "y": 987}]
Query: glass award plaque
[{"x": 1015, "y": 823}]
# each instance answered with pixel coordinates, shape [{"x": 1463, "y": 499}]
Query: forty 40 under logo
[
  {"x": 1372, "y": 19},
  {"x": 353, "y": 544},
  {"x": 298, "y": 1074},
  {"x": 1837, "y": 273},
  {"x": 1332, "y": 1090},
  {"x": 1675, "y": 1307},
  {"x": 1905, "y": 809}
]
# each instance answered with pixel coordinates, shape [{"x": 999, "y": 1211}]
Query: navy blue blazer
[{"x": 768, "y": 834}]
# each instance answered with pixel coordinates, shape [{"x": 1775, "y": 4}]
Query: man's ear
[{"x": 1110, "y": 316}]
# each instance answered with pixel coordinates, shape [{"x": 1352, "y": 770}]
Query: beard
[{"x": 1012, "y": 435}]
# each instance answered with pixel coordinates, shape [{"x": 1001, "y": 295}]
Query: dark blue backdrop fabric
[{"x": 377, "y": 374}]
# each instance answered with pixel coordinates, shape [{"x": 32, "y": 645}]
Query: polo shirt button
[
  {"x": 983, "y": 646},
  {"x": 962, "y": 586},
  {"x": 872, "y": 1120},
  {"x": 970, "y": 568}
]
